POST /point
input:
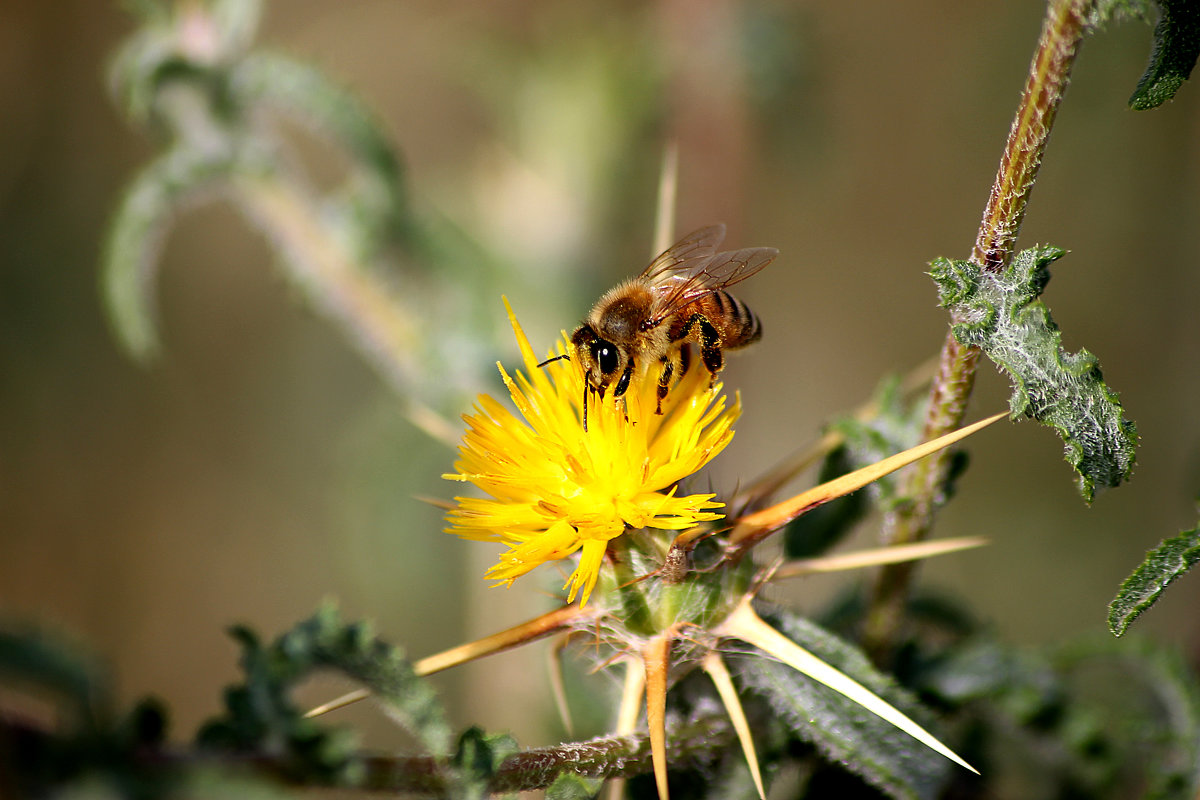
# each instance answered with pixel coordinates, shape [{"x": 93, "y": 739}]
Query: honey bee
[{"x": 679, "y": 299}]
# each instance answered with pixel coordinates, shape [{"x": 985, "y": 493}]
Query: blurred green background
[{"x": 260, "y": 466}]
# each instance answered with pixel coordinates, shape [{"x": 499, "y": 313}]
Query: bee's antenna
[
  {"x": 555, "y": 358},
  {"x": 567, "y": 357}
]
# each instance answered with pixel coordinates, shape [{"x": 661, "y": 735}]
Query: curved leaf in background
[{"x": 1000, "y": 313}]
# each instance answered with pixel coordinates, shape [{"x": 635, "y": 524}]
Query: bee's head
[{"x": 602, "y": 360}]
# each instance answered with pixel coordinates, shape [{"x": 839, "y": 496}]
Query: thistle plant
[
  {"x": 559, "y": 488},
  {"x": 665, "y": 577},
  {"x": 664, "y": 602}
]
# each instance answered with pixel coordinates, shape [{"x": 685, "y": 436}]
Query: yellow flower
[{"x": 556, "y": 489}]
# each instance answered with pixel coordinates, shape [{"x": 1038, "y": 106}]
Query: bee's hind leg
[
  {"x": 710, "y": 345},
  {"x": 685, "y": 360}
]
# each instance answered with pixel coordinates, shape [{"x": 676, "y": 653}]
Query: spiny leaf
[
  {"x": 1176, "y": 47},
  {"x": 1174, "y": 770},
  {"x": 87, "y": 747},
  {"x": 135, "y": 238},
  {"x": 374, "y": 203},
  {"x": 354, "y": 649},
  {"x": 844, "y": 731},
  {"x": 32, "y": 659},
  {"x": 1176, "y": 44},
  {"x": 1144, "y": 700},
  {"x": 158, "y": 52},
  {"x": 1017, "y": 702},
  {"x": 895, "y": 426},
  {"x": 1002, "y": 315},
  {"x": 1090, "y": 718},
  {"x": 572, "y": 786},
  {"x": 1106, "y": 11},
  {"x": 1022, "y": 686},
  {"x": 1145, "y": 585},
  {"x": 260, "y": 716},
  {"x": 478, "y": 758}
]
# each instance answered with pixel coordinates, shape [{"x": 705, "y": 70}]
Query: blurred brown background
[{"x": 260, "y": 466}]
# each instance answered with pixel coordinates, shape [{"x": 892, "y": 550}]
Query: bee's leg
[
  {"x": 710, "y": 344},
  {"x": 622, "y": 387},
  {"x": 623, "y": 383},
  {"x": 664, "y": 381},
  {"x": 587, "y": 387},
  {"x": 685, "y": 359}
]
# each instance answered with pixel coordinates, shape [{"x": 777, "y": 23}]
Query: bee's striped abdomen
[{"x": 739, "y": 326}]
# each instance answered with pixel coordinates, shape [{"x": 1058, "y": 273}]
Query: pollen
[{"x": 555, "y": 491}]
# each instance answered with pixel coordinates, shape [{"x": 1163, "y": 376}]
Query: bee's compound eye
[{"x": 605, "y": 354}]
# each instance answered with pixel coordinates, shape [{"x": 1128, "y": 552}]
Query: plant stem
[
  {"x": 703, "y": 739},
  {"x": 354, "y": 297},
  {"x": 1057, "y": 48},
  {"x": 627, "y": 756},
  {"x": 357, "y": 299}
]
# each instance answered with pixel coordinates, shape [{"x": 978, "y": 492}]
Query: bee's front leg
[{"x": 622, "y": 387}]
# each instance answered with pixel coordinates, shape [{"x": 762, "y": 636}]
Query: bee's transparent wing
[
  {"x": 681, "y": 257},
  {"x": 699, "y": 277}
]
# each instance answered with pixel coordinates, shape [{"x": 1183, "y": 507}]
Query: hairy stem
[
  {"x": 358, "y": 300},
  {"x": 704, "y": 738},
  {"x": 1057, "y": 48}
]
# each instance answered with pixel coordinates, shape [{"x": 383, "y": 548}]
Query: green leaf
[
  {"x": 86, "y": 747},
  {"x": 1144, "y": 699},
  {"x": 1146, "y": 584},
  {"x": 573, "y": 786},
  {"x": 1176, "y": 46},
  {"x": 896, "y": 425},
  {"x": 34, "y": 660},
  {"x": 383, "y": 668},
  {"x": 474, "y": 764},
  {"x": 160, "y": 51},
  {"x": 1002, "y": 315},
  {"x": 145, "y": 726},
  {"x": 260, "y": 716},
  {"x": 1025, "y": 718},
  {"x": 134, "y": 241},
  {"x": 374, "y": 202},
  {"x": 1106, "y": 11},
  {"x": 841, "y": 729},
  {"x": 1091, "y": 718},
  {"x": 1174, "y": 768},
  {"x": 1022, "y": 686},
  {"x": 213, "y": 784}
]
